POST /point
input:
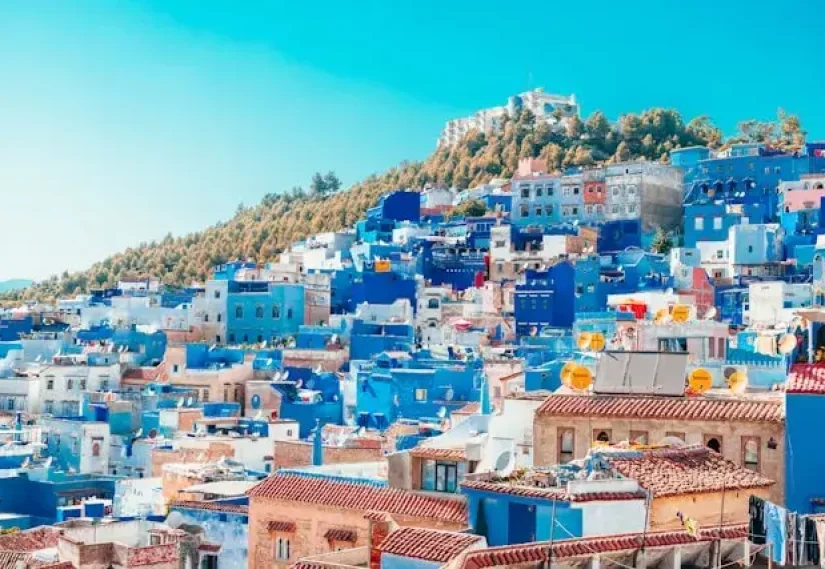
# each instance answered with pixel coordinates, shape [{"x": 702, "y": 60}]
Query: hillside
[
  {"x": 263, "y": 231},
  {"x": 14, "y": 284}
]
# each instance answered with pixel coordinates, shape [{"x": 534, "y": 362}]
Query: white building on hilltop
[{"x": 543, "y": 105}]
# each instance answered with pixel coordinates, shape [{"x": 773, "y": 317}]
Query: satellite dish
[
  {"x": 567, "y": 372},
  {"x": 787, "y": 344},
  {"x": 581, "y": 378},
  {"x": 584, "y": 339},
  {"x": 700, "y": 381},
  {"x": 174, "y": 519},
  {"x": 680, "y": 313},
  {"x": 738, "y": 382},
  {"x": 597, "y": 342},
  {"x": 504, "y": 463},
  {"x": 711, "y": 313}
]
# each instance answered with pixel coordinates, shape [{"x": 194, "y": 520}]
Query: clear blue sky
[{"x": 122, "y": 121}]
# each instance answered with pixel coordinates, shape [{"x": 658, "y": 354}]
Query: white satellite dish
[
  {"x": 787, "y": 344},
  {"x": 504, "y": 464},
  {"x": 174, "y": 519}
]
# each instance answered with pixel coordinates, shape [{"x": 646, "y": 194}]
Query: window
[
  {"x": 259, "y": 312},
  {"x": 717, "y": 223},
  {"x": 282, "y": 549},
  {"x": 751, "y": 447},
  {"x": 441, "y": 476},
  {"x": 96, "y": 444},
  {"x": 713, "y": 442},
  {"x": 699, "y": 223},
  {"x": 50, "y": 384},
  {"x": 602, "y": 435},
  {"x": 69, "y": 384},
  {"x": 420, "y": 394},
  {"x": 676, "y": 434},
  {"x": 638, "y": 437},
  {"x": 238, "y": 311},
  {"x": 567, "y": 443}
]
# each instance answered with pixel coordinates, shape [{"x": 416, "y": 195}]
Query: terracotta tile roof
[
  {"x": 671, "y": 472},
  {"x": 378, "y": 516},
  {"x": 427, "y": 544},
  {"x": 468, "y": 409},
  {"x": 57, "y": 565},
  {"x": 208, "y": 546},
  {"x": 210, "y": 506},
  {"x": 281, "y": 526},
  {"x": 9, "y": 559},
  {"x": 43, "y": 537},
  {"x": 308, "y": 564},
  {"x": 362, "y": 497},
  {"x": 549, "y": 493},
  {"x": 457, "y": 454},
  {"x": 676, "y": 408},
  {"x": 537, "y": 552},
  {"x": 143, "y": 373},
  {"x": 806, "y": 378},
  {"x": 341, "y": 534}
]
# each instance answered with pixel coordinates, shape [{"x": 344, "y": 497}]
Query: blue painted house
[
  {"x": 804, "y": 460},
  {"x": 389, "y": 388},
  {"x": 318, "y": 401},
  {"x": 545, "y": 299},
  {"x": 259, "y": 311}
]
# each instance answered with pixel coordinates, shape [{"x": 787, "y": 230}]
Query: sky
[{"x": 123, "y": 121}]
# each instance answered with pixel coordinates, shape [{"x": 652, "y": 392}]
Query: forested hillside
[{"x": 263, "y": 231}]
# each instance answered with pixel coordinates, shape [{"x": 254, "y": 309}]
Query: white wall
[{"x": 611, "y": 517}]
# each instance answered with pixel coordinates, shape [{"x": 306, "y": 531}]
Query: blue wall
[
  {"x": 261, "y": 316},
  {"x": 804, "y": 459}
]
